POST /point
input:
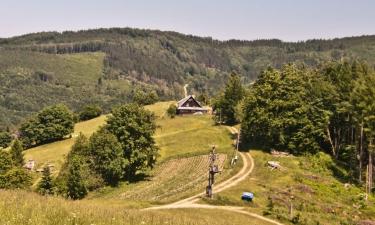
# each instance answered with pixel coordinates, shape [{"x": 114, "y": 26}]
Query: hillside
[{"x": 106, "y": 66}]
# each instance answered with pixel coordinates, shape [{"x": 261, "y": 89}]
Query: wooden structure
[{"x": 189, "y": 105}]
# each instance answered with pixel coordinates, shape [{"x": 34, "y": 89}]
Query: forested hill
[{"x": 111, "y": 66}]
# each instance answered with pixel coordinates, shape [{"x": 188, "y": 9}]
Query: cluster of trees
[
  {"x": 159, "y": 62},
  {"x": 145, "y": 97},
  {"x": 118, "y": 151},
  {"x": 50, "y": 124},
  {"x": 304, "y": 110},
  {"x": 12, "y": 175}
]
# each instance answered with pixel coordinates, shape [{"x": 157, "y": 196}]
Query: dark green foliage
[
  {"x": 107, "y": 155},
  {"x": 76, "y": 188},
  {"x": 6, "y": 162},
  {"x": 172, "y": 110},
  {"x": 227, "y": 102},
  {"x": 134, "y": 127},
  {"x": 17, "y": 153},
  {"x": 46, "y": 186},
  {"x": 5, "y": 139},
  {"x": 51, "y": 124},
  {"x": 90, "y": 112}
]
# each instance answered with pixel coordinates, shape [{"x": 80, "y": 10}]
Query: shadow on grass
[{"x": 139, "y": 177}]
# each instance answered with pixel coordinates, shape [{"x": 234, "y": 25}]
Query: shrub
[
  {"x": 89, "y": 112},
  {"x": 5, "y": 139},
  {"x": 172, "y": 110}
]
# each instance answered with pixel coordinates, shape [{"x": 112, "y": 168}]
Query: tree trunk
[
  {"x": 360, "y": 153},
  {"x": 331, "y": 142},
  {"x": 370, "y": 167}
]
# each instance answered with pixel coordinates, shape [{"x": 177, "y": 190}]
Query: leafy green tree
[
  {"x": 5, "y": 139},
  {"x": 17, "y": 153},
  {"x": 90, "y": 112},
  {"x": 45, "y": 186},
  {"x": 51, "y": 124},
  {"x": 76, "y": 187},
  {"x": 107, "y": 156},
  {"x": 134, "y": 127},
  {"x": 172, "y": 110},
  {"x": 227, "y": 102}
]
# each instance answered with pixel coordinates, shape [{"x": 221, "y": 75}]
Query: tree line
[{"x": 305, "y": 110}]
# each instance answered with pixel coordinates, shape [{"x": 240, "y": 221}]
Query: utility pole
[
  {"x": 235, "y": 158},
  {"x": 212, "y": 170}
]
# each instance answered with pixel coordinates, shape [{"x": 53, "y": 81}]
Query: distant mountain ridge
[{"x": 107, "y": 66}]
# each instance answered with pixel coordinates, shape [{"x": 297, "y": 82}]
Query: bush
[
  {"x": 89, "y": 112},
  {"x": 172, "y": 110}
]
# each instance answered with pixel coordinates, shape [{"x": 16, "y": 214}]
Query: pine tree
[
  {"x": 76, "y": 187},
  {"x": 45, "y": 186},
  {"x": 16, "y": 152}
]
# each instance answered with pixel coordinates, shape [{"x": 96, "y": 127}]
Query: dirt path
[
  {"x": 248, "y": 166},
  {"x": 185, "y": 90}
]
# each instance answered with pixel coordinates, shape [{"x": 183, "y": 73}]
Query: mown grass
[
  {"x": 21, "y": 207},
  {"x": 318, "y": 197}
]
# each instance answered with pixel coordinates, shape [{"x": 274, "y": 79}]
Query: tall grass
[{"x": 24, "y": 208}]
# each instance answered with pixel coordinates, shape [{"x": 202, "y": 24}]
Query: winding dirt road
[{"x": 191, "y": 202}]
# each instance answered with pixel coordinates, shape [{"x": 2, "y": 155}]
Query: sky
[{"x": 288, "y": 20}]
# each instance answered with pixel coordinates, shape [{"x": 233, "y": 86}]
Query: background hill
[{"x": 107, "y": 66}]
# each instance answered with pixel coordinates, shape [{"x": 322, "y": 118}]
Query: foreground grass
[
  {"x": 21, "y": 207},
  {"x": 317, "y": 196}
]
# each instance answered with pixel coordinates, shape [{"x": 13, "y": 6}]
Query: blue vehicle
[{"x": 247, "y": 196}]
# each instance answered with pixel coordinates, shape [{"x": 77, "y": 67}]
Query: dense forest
[{"x": 106, "y": 67}]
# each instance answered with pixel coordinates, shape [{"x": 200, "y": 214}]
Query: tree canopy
[{"x": 50, "y": 124}]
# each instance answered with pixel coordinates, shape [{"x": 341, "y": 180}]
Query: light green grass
[
  {"x": 318, "y": 195},
  {"x": 73, "y": 68},
  {"x": 20, "y": 207},
  {"x": 190, "y": 135}
]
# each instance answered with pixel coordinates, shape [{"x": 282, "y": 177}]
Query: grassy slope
[
  {"x": 318, "y": 195},
  {"x": 20, "y": 207}
]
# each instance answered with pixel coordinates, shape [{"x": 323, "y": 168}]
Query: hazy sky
[{"x": 289, "y": 20}]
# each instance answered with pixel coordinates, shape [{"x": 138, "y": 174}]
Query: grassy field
[
  {"x": 317, "y": 194},
  {"x": 20, "y": 207}
]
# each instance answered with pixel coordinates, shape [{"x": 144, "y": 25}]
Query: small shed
[{"x": 189, "y": 105}]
